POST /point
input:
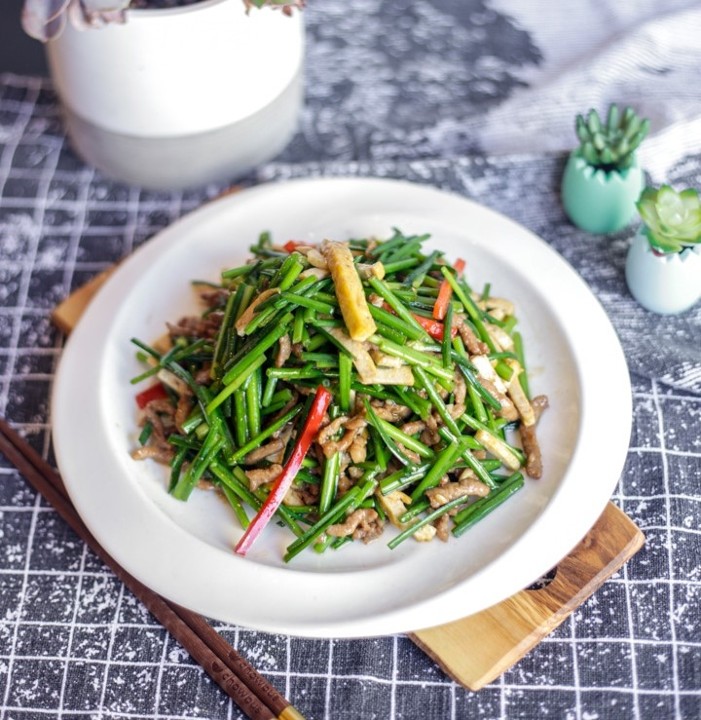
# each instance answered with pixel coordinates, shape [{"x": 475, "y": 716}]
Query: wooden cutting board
[{"x": 477, "y": 649}]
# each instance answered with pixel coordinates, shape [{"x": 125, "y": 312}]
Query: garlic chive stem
[
  {"x": 175, "y": 354},
  {"x": 269, "y": 392},
  {"x": 258, "y": 350},
  {"x": 236, "y": 481},
  {"x": 320, "y": 360},
  {"x": 291, "y": 374},
  {"x": 468, "y": 370},
  {"x": 253, "y": 403},
  {"x": 446, "y": 344},
  {"x": 472, "y": 310},
  {"x": 329, "y": 482},
  {"x": 257, "y": 441},
  {"x": 409, "y": 442},
  {"x": 252, "y": 363},
  {"x": 431, "y": 517},
  {"x": 415, "y": 509},
  {"x": 465, "y": 519},
  {"x": 396, "y": 304},
  {"x": 425, "y": 382},
  {"x": 387, "y": 439},
  {"x": 470, "y": 440},
  {"x": 416, "y": 403},
  {"x": 443, "y": 462},
  {"x": 236, "y": 506},
  {"x": 478, "y": 468},
  {"x": 336, "y": 512},
  {"x": 223, "y": 336},
  {"x": 476, "y": 425},
  {"x": 523, "y": 377},
  {"x": 415, "y": 277},
  {"x": 477, "y": 404},
  {"x": 417, "y": 358},
  {"x": 240, "y": 424},
  {"x": 345, "y": 379},
  {"x": 298, "y": 328},
  {"x": 186, "y": 484},
  {"x": 402, "y": 478},
  {"x": 307, "y": 302},
  {"x": 410, "y": 330},
  {"x": 291, "y": 273},
  {"x": 394, "y": 267}
]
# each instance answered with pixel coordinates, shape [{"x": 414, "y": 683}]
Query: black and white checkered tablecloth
[{"x": 75, "y": 644}]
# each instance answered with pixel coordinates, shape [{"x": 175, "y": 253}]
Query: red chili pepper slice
[
  {"x": 291, "y": 245},
  {"x": 155, "y": 392},
  {"x": 320, "y": 405},
  {"x": 445, "y": 292},
  {"x": 434, "y": 328}
]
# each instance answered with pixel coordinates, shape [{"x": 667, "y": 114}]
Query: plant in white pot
[
  {"x": 602, "y": 178},
  {"x": 169, "y": 93},
  {"x": 663, "y": 265}
]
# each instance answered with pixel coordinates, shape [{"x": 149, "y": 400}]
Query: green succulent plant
[
  {"x": 672, "y": 219},
  {"x": 286, "y": 5},
  {"x": 46, "y": 19},
  {"x": 610, "y": 146}
]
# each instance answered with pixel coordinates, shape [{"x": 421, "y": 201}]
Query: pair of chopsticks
[{"x": 256, "y": 697}]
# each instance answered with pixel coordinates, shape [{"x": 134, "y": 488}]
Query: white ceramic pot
[
  {"x": 665, "y": 284},
  {"x": 181, "y": 96}
]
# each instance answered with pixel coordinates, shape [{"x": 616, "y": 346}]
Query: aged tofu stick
[{"x": 349, "y": 290}]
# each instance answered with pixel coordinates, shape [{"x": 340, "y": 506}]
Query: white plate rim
[{"x": 446, "y": 605}]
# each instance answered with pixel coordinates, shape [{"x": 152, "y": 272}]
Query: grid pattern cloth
[{"x": 75, "y": 644}]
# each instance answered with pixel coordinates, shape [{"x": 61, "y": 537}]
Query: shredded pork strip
[
  {"x": 261, "y": 476},
  {"x": 265, "y": 451},
  {"x": 196, "y": 327},
  {"x": 284, "y": 351},
  {"x": 154, "y": 452},
  {"x": 468, "y": 487},
  {"x": 351, "y": 427},
  {"x": 182, "y": 410},
  {"x": 161, "y": 415},
  {"x": 529, "y": 440},
  {"x": 362, "y": 524},
  {"x": 474, "y": 345},
  {"x": 390, "y": 411}
]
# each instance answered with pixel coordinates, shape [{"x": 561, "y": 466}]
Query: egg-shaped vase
[
  {"x": 666, "y": 284},
  {"x": 600, "y": 201},
  {"x": 181, "y": 96}
]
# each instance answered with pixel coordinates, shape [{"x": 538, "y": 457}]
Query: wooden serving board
[
  {"x": 477, "y": 649},
  {"x": 66, "y": 314}
]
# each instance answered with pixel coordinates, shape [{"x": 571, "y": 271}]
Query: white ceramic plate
[{"x": 184, "y": 550}]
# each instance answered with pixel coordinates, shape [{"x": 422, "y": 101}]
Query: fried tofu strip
[
  {"x": 518, "y": 397},
  {"x": 349, "y": 290}
]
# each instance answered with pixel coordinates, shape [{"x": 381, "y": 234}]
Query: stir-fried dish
[{"x": 343, "y": 388}]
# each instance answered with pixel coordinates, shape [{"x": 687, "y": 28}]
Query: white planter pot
[
  {"x": 665, "y": 284},
  {"x": 181, "y": 96}
]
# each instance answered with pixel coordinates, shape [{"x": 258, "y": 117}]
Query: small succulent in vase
[
  {"x": 611, "y": 146},
  {"x": 663, "y": 266},
  {"x": 46, "y": 19},
  {"x": 603, "y": 179}
]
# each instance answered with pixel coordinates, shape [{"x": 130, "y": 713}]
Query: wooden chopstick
[{"x": 239, "y": 680}]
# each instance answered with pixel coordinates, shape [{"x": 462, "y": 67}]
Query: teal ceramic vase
[
  {"x": 600, "y": 201},
  {"x": 663, "y": 283}
]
